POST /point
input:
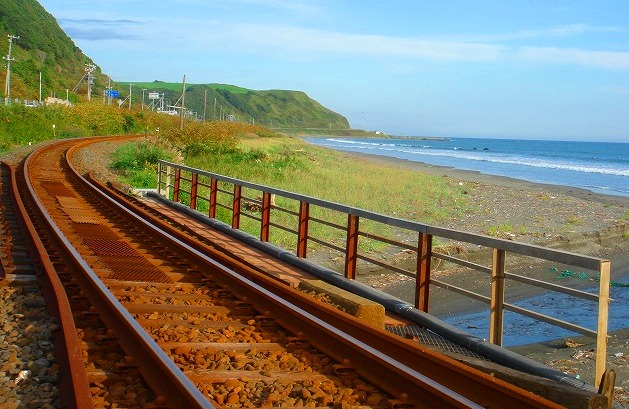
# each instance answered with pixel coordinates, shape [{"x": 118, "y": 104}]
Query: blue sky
[{"x": 511, "y": 69}]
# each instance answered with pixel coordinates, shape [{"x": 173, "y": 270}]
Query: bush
[{"x": 137, "y": 162}]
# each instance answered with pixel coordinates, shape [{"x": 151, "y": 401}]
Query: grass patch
[
  {"x": 503, "y": 229},
  {"x": 136, "y": 162},
  {"x": 575, "y": 220}
]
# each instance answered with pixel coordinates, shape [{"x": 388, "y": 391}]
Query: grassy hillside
[
  {"x": 274, "y": 108},
  {"x": 42, "y": 47}
]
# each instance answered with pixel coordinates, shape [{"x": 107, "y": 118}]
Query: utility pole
[
  {"x": 143, "y": 89},
  {"x": 40, "y": 88},
  {"x": 89, "y": 69},
  {"x": 130, "y": 85},
  {"x": 7, "y": 84},
  {"x": 183, "y": 103},
  {"x": 204, "y": 104}
]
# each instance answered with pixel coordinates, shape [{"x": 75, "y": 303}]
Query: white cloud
[
  {"x": 290, "y": 5},
  {"x": 609, "y": 60},
  {"x": 568, "y": 30},
  {"x": 294, "y": 39}
]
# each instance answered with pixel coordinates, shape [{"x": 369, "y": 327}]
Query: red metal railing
[{"x": 194, "y": 187}]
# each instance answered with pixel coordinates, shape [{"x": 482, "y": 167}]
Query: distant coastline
[{"x": 357, "y": 133}]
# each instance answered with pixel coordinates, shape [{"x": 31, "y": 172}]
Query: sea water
[
  {"x": 522, "y": 330},
  {"x": 601, "y": 167}
]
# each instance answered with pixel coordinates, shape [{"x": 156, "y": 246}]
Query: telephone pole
[
  {"x": 7, "y": 83},
  {"x": 183, "y": 103},
  {"x": 89, "y": 79},
  {"x": 204, "y": 104},
  {"x": 89, "y": 68}
]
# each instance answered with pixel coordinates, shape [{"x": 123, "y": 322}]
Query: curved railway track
[{"x": 151, "y": 315}]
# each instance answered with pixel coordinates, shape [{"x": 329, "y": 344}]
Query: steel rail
[
  {"x": 159, "y": 370},
  {"x": 474, "y": 385},
  {"x": 74, "y": 385}
]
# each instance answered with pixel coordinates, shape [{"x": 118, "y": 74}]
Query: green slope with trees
[
  {"x": 273, "y": 108},
  {"x": 43, "y": 47}
]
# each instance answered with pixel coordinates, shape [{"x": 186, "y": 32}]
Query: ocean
[
  {"x": 522, "y": 330},
  {"x": 601, "y": 167}
]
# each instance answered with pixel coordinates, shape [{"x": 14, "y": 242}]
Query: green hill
[
  {"x": 274, "y": 108},
  {"x": 42, "y": 47}
]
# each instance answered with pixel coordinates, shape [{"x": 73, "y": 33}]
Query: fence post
[
  {"x": 159, "y": 177},
  {"x": 302, "y": 230},
  {"x": 213, "y": 196},
  {"x": 496, "y": 313},
  {"x": 194, "y": 190},
  {"x": 177, "y": 185},
  {"x": 351, "y": 249},
  {"x": 236, "y": 206},
  {"x": 167, "y": 190},
  {"x": 422, "y": 281},
  {"x": 603, "y": 315},
  {"x": 265, "y": 218}
]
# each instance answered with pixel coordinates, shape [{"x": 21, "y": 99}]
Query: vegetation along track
[{"x": 157, "y": 318}]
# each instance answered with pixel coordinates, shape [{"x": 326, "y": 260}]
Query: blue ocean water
[
  {"x": 601, "y": 167},
  {"x": 522, "y": 330}
]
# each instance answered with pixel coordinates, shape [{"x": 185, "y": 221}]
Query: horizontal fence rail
[{"x": 241, "y": 201}]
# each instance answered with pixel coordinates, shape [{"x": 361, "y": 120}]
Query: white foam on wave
[
  {"x": 485, "y": 157},
  {"x": 351, "y": 143}
]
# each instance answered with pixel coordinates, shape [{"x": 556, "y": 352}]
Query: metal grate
[
  {"x": 133, "y": 268},
  {"x": 429, "y": 338},
  {"x": 80, "y": 217},
  {"x": 70, "y": 202},
  {"x": 94, "y": 231},
  {"x": 108, "y": 247},
  {"x": 56, "y": 188}
]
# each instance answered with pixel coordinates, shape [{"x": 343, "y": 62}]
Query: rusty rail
[
  {"x": 175, "y": 181},
  {"x": 74, "y": 385},
  {"x": 163, "y": 372}
]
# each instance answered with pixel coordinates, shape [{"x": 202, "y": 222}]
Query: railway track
[{"x": 153, "y": 316}]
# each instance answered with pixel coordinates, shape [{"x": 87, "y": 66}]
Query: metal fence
[{"x": 265, "y": 206}]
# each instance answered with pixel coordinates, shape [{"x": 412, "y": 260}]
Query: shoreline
[{"x": 474, "y": 176}]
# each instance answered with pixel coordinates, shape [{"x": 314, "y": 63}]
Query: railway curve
[{"x": 157, "y": 317}]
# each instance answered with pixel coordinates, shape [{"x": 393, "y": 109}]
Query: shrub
[{"x": 137, "y": 162}]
